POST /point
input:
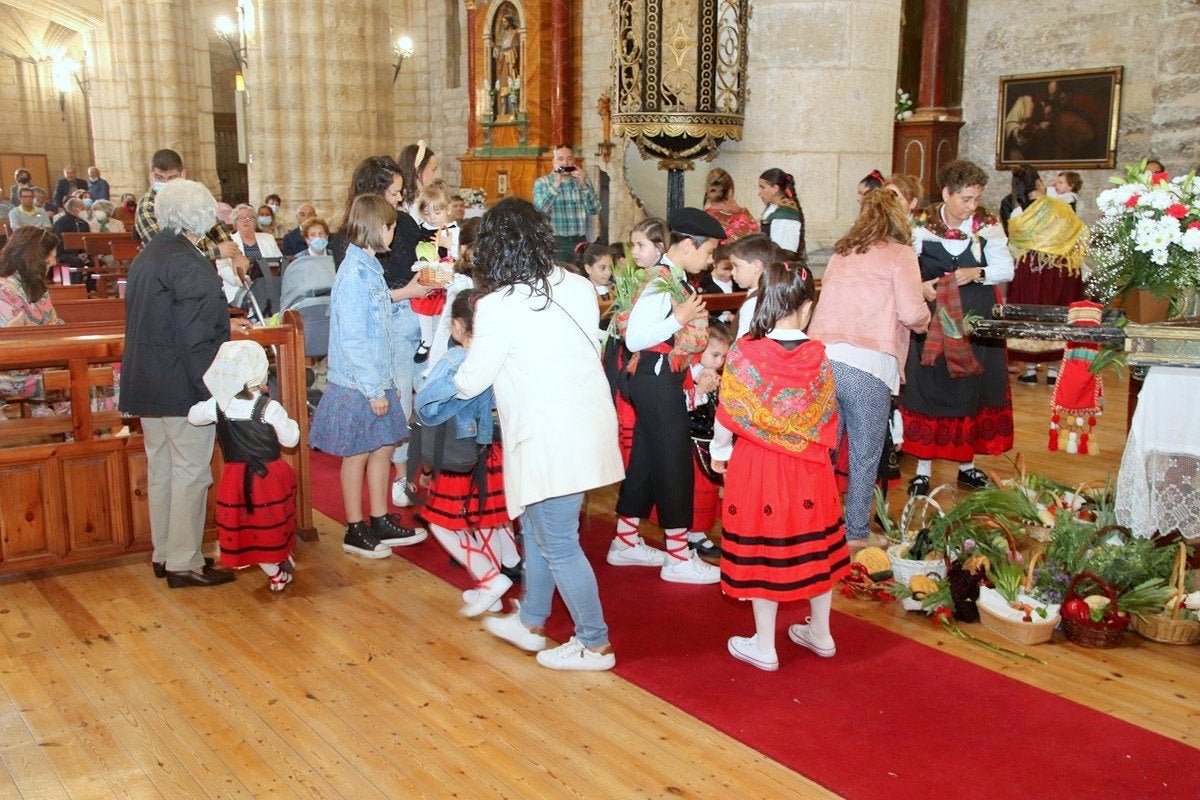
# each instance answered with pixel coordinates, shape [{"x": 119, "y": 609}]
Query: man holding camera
[{"x": 569, "y": 199}]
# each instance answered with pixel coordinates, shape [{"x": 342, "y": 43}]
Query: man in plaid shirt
[
  {"x": 166, "y": 166},
  {"x": 569, "y": 199}
]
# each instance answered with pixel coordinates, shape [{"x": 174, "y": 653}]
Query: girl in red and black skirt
[
  {"x": 256, "y": 498},
  {"x": 784, "y": 537},
  {"x": 466, "y": 511}
]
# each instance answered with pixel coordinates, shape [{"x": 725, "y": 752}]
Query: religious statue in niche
[{"x": 506, "y": 61}]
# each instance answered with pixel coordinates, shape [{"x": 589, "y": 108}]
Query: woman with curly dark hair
[{"x": 535, "y": 344}]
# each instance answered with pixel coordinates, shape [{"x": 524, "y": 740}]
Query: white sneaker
[
  {"x": 802, "y": 635},
  {"x": 400, "y": 497},
  {"x": 469, "y": 597},
  {"x": 745, "y": 648},
  {"x": 573, "y": 656},
  {"x": 689, "y": 570},
  {"x": 510, "y": 628},
  {"x": 487, "y": 596},
  {"x": 637, "y": 555}
]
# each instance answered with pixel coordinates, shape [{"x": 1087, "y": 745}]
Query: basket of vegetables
[
  {"x": 1094, "y": 619},
  {"x": 1179, "y": 622},
  {"x": 870, "y": 573},
  {"x": 1008, "y": 607},
  {"x": 916, "y": 552}
]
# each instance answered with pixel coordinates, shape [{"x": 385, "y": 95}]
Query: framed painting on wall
[{"x": 1059, "y": 120}]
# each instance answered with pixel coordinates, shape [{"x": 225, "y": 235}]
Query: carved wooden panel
[
  {"x": 95, "y": 502},
  {"x": 29, "y": 526},
  {"x": 139, "y": 506}
]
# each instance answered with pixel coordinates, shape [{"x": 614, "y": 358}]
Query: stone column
[
  {"x": 319, "y": 98},
  {"x": 560, "y": 70},
  {"x": 152, "y": 88}
]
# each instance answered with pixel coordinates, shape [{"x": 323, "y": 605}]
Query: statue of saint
[{"x": 506, "y": 52}]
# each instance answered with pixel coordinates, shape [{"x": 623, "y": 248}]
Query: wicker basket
[
  {"x": 1026, "y": 633},
  {"x": 918, "y": 509},
  {"x": 1094, "y": 634},
  {"x": 1166, "y": 627}
]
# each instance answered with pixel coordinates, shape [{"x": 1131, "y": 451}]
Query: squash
[
  {"x": 922, "y": 585},
  {"x": 873, "y": 558},
  {"x": 977, "y": 563}
]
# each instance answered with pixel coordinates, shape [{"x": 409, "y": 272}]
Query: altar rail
[{"x": 84, "y": 500}]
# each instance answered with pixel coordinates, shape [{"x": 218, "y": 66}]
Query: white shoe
[
  {"x": 689, "y": 570},
  {"x": 400, "y": 498},
  {"x": 510, "y": 628},
  {"x": 573, "y": 656},
  {"x": 745, "y": 648},
  {"x": 487, "y": 596},
  {"x": 802, "y": 635},
  {"x": 637, "y": 555},
  {"x": 469, "y": 597}
]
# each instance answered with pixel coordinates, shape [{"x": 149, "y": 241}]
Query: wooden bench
[
  {"x": 99, "y": 309},
  {"x": 85, "y": 500},
  {"x": 80, "y": 241},
  {"x": 59, "y": 293}
]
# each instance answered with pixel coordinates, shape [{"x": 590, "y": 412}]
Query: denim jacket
[
  {"x": 360, "y": 336},
  {"x": 437, "y": 401}
]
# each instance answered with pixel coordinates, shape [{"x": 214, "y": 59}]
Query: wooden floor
[{"x": 362, "y": 682}]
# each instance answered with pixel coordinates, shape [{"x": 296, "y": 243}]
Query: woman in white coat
[
  {"x": 252, "y": 243},
  {"x": 535, "y": 345}
]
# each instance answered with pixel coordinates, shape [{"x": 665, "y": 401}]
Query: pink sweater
[{"x": 872, "y": 300}]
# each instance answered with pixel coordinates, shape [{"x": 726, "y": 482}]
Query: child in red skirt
[
  {"x": 256, "y": 498},
  {"x": 783, "y": 534},
  {"x": 469, "y": 520},
  {"x": 702, "y": 409},
  {"x": 438, "y": 246}
]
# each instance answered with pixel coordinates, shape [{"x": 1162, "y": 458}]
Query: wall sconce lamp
[
  {"x": 65, "y": 74},
  {"x": 225, "y": 29},
  {"x": 403, "y": 49}
]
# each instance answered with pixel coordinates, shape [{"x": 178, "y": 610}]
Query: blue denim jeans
[
  {"x": 406, "y": 337},
  {"x": 554, "y": 560},
  {"x": 864, "y": 407}
]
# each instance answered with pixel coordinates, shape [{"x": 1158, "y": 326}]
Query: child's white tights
[{"x": 482, "y": 552}]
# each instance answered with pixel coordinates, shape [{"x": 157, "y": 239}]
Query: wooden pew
[
  {"x": 99, "y": 309},
  {"x": 84, "y": 501},
  {"x": 59, "y": 294},
  {"x": 80, "y": 241}
]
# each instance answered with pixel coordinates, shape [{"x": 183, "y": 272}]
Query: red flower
[
  {"x": 1193, "y": 225},
  {"x": 1177, "y": 210},
  {"x": 1132, "y": 201},
  {"x": 1159, "y": 177},
  {"x": 942, "y": 616}
]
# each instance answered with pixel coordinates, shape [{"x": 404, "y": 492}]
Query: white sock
[
  {"x": 468, "y": 549},
  {"x": 506, "y": 547},
  {"x": 1031, "y": 369},
  {"x": 697, "y": 536},
  {"x": 765, "y": 612},
  {"x": 427, "y": 324},
  {"x": 627, "y": 530},
  {"x": 818, "y": 622},
  {"x": 271, "y": 569},
  {"x": 966, "y": 465},
  {"x": 676, "y": 541},
  {"x": 1051, "y": 372},
  {"x": 925, "y": 467}
]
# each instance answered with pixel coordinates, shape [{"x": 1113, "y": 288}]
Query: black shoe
[
  {"x": 705, "y": 548},
  {"x": 360, "y": 541},
  {"x": 388, "y": 530},
  {"x": 205, "y": 577},
  {"x": 516, "y": 574},
  {"x": 1051, "y": 379},
  {"x": 160, "y": 567},
  {"x": 422, "y": 354},
  {"x": 1028, "y": 377},
  {"x": 973, "y": 478},
  {"x": 918, "y": 486}
]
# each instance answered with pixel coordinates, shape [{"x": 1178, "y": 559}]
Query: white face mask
[{"x": 101, "y": 217}]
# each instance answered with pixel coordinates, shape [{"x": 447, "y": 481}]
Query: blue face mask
[
  {"x": 158, "y": 185},
  {"x": 318, "y": 244},
  {"x": 265, "y": 222},
  {"x": 87, "y": 202}
]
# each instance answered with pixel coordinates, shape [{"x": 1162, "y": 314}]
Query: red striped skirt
[
  {"x": 265, "y": 535},
  {"x": 453, "y": 502},
  {"x": 783, "y": 533}
]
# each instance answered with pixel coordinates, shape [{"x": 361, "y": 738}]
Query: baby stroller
[{"x": 307, "y": 282}]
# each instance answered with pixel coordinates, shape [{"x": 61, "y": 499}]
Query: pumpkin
[{"x": 873, "y": 558}]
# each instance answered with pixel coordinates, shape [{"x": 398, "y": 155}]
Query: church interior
[{"x": 363, "y": 680}]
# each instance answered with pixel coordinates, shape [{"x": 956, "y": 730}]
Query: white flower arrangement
[
  {"x": 1148, "y": 236},
  {"x": 904, "y": 105},
  {"x": 473, "y": 197}
]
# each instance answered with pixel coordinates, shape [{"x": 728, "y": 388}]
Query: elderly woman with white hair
[
  {"x": 176, "y": 321},
  {"x": 252, "y": 242},
  {"x": 102, "y": 219}
]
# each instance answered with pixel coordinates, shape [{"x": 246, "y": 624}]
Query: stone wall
[
  {"x": 1154, "y": 40},
  {"x": 40, "y": 124}
]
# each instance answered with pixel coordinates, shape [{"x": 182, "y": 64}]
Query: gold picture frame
[{"x": 1059, "y": 120}]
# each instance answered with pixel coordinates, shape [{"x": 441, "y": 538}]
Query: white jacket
[
  {"x": 266, "y": 244},
  {"x": 556, "y": 413}
]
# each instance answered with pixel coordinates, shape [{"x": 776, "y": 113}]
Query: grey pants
[
  {"x": 864, "y": 406},
  {"x": 178, "y": 474}
]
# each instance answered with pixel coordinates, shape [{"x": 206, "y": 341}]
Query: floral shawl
[{"x": 781, "y": 399}]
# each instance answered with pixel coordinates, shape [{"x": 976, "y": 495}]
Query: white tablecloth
[{"x": 1158, "y": 487}]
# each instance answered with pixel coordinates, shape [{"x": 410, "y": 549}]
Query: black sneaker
[
  {"x": 516, "y": 573},
  {"x": 1028, "y": 377},
  {"x": 705, "y": 548},
  {"x": 973, "y": 478},
  {"x": 918, "y": 486},
  {"x": 1051, "y": 379},
  {"x": 422, "y": 354},
  {"x": 360, "y": 542},
  {"x": 389, "y": 531}
]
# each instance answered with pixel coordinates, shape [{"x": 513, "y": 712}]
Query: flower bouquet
[
  {"x": 904, "y": 105},
  {"x": 1148, "y": 236},
  {"x": 473, "y": 197}
]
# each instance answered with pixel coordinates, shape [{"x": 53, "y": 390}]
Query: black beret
[{"x": 694, "y": 222}]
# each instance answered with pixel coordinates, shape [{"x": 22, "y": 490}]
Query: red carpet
[{"x": 886, "y": 718}]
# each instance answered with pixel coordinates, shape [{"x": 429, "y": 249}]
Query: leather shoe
[
  {"x": 160, "y": 567},
  {"x": 206, "y": 577}
]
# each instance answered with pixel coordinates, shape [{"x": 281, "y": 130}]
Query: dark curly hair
[
  {"x": 958, "y": 175},
  {"x": 373, "y": 175},
  {"x": 515, "y": 247}
]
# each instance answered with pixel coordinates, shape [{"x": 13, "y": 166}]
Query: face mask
[
  {"x": 274, "y": 207},
  {"x": 319, "y": 244},
  {"x": 131, "y": 205},
  {"x": 101, "y": 217},
  {"x": 158, "y": 185},
  {"x": 23, "y": 180},
  {"x": 265, "y": 222},
  {"x": 87, "y": 202}
]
